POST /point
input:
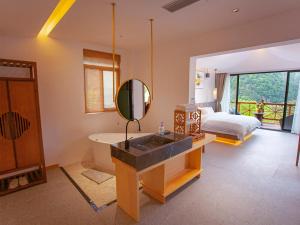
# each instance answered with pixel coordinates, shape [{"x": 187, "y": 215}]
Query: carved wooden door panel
[
  {"x": 26, "y": 124},
  {"x": 7, "y": 154}
]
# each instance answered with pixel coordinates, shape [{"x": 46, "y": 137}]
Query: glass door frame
[{"x": 287, "y": 83}]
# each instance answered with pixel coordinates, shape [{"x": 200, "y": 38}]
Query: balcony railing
[{"x": 273, "y": 112}]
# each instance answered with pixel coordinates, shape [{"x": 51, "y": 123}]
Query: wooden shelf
[
  {"x": 33, "y": 177},
  {"x": 182, "y": 178},
  {"x": 19, "y": 171},
  {"x": 8, "y": 191}
]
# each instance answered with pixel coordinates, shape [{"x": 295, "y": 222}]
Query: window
[
  {"x": 101, "y": 84},
  {"x": 277, "y": 89}
]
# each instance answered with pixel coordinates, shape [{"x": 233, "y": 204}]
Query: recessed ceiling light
[
  {"x": 58, "y": 13},
  {"x": 236, "y": 10}
]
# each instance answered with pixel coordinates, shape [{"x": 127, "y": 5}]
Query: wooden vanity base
[
  {"x": 159, "y": 180},
  {"x": 127, "y": 184}
]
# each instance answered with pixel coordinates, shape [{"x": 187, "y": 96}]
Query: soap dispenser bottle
[{"x": 161, "y": 129}]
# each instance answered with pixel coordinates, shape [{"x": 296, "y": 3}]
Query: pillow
[{"x": 207, "y": 110}]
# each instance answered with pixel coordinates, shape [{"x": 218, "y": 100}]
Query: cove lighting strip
[{"x": 58, "y": 13}]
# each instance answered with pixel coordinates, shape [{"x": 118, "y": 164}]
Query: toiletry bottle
[{"x": 161, "y": 129}]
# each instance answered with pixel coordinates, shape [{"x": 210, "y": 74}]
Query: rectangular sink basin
[
  {"x": 150, "y": 142},
  {"x": 151, "y": 149}
]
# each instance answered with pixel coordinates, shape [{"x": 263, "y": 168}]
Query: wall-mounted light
[
  {"x": 236, "y": 10},
  {"x": 215, "y": 93},
  {"x": 207, "y": 75},
  {"x": 58, "y": 13}
]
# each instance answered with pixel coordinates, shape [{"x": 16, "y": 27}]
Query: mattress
[{"x": 224, "y": 123}]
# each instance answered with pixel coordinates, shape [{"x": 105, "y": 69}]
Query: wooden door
[
  {"x": 24, "y": 106},
  {"x": 7, "y": 156}
]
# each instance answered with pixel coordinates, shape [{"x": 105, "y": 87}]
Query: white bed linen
[{"x": 225, "y": 123}]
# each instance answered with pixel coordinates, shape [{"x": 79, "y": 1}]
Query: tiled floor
[{"x": 256, "y": 183}]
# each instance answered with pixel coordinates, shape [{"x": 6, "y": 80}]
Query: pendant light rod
[
  {"x": 114, "y": 43},
  {"x": 151, "y": 56}
]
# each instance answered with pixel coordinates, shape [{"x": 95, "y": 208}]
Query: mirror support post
[{"x": 151, "y": 57}]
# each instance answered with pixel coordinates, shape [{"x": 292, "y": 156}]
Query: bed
[{"x": 229, "y": 128}]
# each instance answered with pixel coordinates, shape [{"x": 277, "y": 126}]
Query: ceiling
[
  {"x": 90, "y": 20},
  {"x": 284, "y": 57}
]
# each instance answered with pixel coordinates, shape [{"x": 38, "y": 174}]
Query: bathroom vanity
[{"x": 162, "y": 164}]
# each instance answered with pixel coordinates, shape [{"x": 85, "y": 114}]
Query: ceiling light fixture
[
  {"x": 236, "y": 10},
  {"x": 58, "y": 13},
  {"x": 175, "y": 5}
]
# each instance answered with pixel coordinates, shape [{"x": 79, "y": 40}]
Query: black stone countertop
[{"x": 151, "y": 149}]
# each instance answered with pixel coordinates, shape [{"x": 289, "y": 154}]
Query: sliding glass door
[
  {"x": 276, "y": 90},
  {"x": 291, "y": 98}
]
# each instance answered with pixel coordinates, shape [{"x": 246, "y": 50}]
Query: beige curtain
[{"x": 220, "y": 83}]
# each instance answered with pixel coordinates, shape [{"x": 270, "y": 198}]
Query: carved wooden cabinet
[
  {"x": 21, "y": 148},
  {"x": 187, "y": 120}
]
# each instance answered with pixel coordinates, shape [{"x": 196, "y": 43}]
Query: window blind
[{"x": 102, "y": 59}]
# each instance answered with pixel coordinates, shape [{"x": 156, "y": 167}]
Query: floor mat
[
  {"x": 96, "y": 176},
  {"x": 98, "y": 195}
]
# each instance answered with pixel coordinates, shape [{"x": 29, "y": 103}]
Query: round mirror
[{"x": 133, "y": 100}]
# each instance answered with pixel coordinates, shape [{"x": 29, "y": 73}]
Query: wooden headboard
[{"x": 208, "y": 104}]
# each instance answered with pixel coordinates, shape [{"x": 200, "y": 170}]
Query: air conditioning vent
[{"x": 178, "y": 4}]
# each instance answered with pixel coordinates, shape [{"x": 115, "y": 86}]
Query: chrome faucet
[{"x": 127, "y": 141}]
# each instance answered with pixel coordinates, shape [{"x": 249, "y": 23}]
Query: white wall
[
  {"x": 204, "y": 94},
  {"x": 172, "y": 60},
  {"x": 61, "y": 91}
]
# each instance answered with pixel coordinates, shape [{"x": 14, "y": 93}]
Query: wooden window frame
[{"x": 102, "y": 68}]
